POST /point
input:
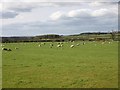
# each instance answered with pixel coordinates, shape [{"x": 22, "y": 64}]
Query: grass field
[{"x": 93, "y": 65}]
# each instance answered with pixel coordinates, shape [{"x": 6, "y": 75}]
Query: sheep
[
  {"x": 83, "y": 43},
  {"x": 58, "y": 45},
  {"x": 78, "y": 44},
  {"x": 9, "y": 49},
  {"x": 16, "y": 48},
  {"x": 6, "y": 49},
  {"x": 109, "y": 42},
  {"x": 71, "y": 46},
  {"x": 39, "y": 45},
  {"x": 61, "y": 45},
  {"x": 51, "y": 45},
  {"x": 2, "y": 45},
  {"x": 43, "y": 43}
]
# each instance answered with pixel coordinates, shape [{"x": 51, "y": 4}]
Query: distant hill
[{"x": 91, "y": 36}]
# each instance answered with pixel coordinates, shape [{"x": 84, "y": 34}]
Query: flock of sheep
[{"x": 59, "y": 44}]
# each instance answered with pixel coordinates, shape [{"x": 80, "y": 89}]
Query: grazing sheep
[
  {"x": 51, "y": 45},
  {"x": 6, "y": 49},
  {"x": 9, "y": 49},
  {"x": 2, "y": 45},
  {"x": 61, "y": 45},
  {"x": 71, "y": 46},
  {"x": 58, "y": 45},
  {"x": 78, "y": 44},
  {"x": 83, "y": 43},
  {"x": 16, "y": 48},
  {"x": 39, "y": 45},
  {"x": 43, "y": 43},
  {"x": 109, "y": 42}
]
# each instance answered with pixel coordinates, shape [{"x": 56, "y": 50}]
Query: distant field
[{"x": 93, "y": 65}]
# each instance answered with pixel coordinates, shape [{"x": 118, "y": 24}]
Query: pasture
[{"x": 93, "y": 65}]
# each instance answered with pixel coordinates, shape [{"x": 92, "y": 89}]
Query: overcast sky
[{"x": 37, "y": 18}]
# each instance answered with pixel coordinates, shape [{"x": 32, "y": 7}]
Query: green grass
[
  {"x": 84, "y": 66},
  {"x": 0, "y": 67}
]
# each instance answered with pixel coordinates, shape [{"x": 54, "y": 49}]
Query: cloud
[
  {"x": 102, "y": 4},
  {"x": 57, "y": 15},
  {"x": 58, "y": 0},
  {"x": 64, "y": 27},
  {"x": 83, "y": 13},
  {"x": 20, "y": 7},
  {"x": 8, "y": 14},
  {"x": 23, "y": 7},
  {"x": 103, "y": 12}
]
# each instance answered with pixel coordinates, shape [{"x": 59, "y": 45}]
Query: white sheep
[
  {"x": 2, "y": 45},
  {"x": 51, "y": 45},
  {"x": 58, "y": 45},
  {"x": 16, "y": 48},
  {"x": 61, "y": 45},
  {"x": 71, "y": 46},
  {"x": 83, "y": 43},
  {"x": 39, "y": 45},
  {"x": 78, "y": 44},
  {"x": 109, "y": 42}
]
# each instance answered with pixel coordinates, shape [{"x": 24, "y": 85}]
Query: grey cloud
[
  {"x": 8, "y": 14},
  {"x": 71, "y": 26},
  {"x": 21, "y": 9},
  {"x": 27, "y": 7}
]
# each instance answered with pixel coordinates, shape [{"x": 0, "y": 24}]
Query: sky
[{"x": 34, "y": 17}]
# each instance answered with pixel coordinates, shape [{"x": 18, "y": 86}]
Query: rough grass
[{"x": 92, "y": 65}]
